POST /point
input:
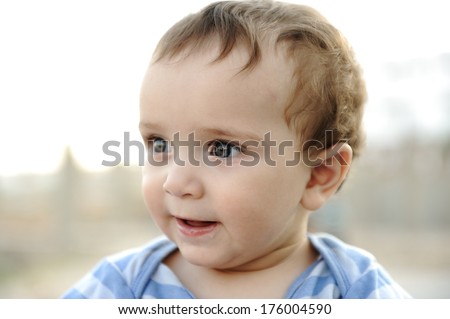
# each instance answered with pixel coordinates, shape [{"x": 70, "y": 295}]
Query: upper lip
[
  {"x": 197, "y": 220},
  {"x": 193, "y": 219}
]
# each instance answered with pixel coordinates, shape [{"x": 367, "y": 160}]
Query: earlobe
[{"x": 327, "y": 176}]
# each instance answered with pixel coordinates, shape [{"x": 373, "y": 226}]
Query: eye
[
  {"x": 223, "y": 149},
  {"x": 158, "y": 145}
]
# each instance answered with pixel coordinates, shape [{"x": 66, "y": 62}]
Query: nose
[{"x": 184, "y": 181}]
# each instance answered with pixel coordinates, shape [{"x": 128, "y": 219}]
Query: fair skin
[{"x": 240, "y": 230}]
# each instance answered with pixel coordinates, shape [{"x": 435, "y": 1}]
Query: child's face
[{"x": 226, "y": 215}]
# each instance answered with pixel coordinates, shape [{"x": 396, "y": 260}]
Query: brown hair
[{"x": 329, "y": 90}]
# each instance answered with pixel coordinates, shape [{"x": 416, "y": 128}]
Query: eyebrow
[
  {"x": 220, "y": 132},
  {"x": 153, "y": 126},
  {"x": 231, "y": 134}
]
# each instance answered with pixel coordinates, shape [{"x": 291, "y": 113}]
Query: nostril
[{"x": 183, "y": 188}]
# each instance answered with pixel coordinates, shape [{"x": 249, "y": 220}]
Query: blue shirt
[{"x": 341, "y": 271}]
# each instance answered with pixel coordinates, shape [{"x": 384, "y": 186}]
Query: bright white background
[{"x": 70, "y": 71}]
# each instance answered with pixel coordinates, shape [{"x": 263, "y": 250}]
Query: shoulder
[
  {"x": 356, "y": 272},
  {"x": 123, "y": 275}
]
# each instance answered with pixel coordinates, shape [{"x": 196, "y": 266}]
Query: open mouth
[
  {"x": 194, "y": 228},
  {"x": 196, "y": 223}
]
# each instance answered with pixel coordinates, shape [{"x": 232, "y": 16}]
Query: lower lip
[{"x": 191, "y": 231}]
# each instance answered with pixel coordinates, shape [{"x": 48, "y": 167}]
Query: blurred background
[{"x": 70, "y": 74}]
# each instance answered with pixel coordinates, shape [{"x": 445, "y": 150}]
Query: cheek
[
  {"x": 256, "y": 200},
  {"x": 266, "y": 194},
  {"x": 152, "y": 193}
]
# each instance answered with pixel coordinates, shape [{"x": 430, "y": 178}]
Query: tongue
[{"x": 194, "y": 223}]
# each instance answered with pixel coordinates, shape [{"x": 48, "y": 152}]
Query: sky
[{"x": 70, "y": 71}]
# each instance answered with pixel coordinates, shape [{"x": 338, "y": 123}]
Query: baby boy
[{"x": 251, "y": 111}]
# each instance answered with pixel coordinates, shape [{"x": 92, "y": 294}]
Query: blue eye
[
  {"x": 158, "y": 145},
  {"x": 223, "y": 149}
]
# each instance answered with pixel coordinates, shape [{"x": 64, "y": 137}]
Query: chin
[
  {"x": 199, "y": 260},
  {"x": 202, "y": 259}
]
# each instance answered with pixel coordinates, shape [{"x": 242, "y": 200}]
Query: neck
[
  {"x": 277, "y": 257},
  {"x": 266, "y": 277}
]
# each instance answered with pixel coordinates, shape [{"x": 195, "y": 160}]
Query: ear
[{"x": 327, "y": 175}]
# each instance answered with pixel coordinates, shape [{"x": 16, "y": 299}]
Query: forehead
[{"x": 198, "y": 83}]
